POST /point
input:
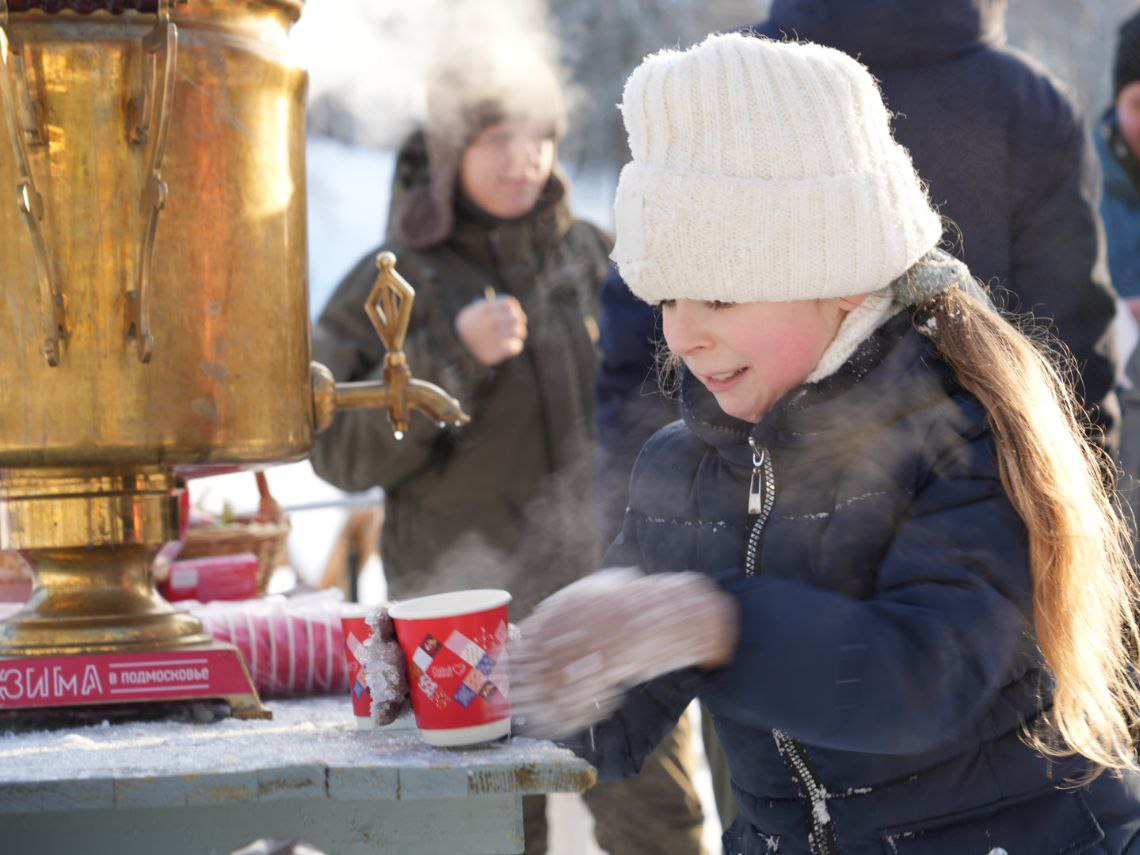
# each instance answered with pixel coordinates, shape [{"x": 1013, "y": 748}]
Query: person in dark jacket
[
  {"x": 506, "y": 293},
  {"x": 1118, "y": 144},
  {"x": 1007, "y": 160},
  {"x": 877, "y": 546}
]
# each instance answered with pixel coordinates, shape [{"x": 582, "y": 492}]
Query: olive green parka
[{"x": 505, "y": 501}]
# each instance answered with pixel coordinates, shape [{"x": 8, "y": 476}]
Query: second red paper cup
[
  {"x": 356, "y": 633},
  {"x": 455, "y": 647}
]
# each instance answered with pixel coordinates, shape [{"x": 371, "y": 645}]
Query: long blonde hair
[{"x": 1080, "y": 546}]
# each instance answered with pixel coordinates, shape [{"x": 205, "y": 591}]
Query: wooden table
[{"x": 164, "y": 788}]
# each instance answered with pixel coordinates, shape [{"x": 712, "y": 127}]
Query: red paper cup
[
  {"x": 455, "y": 647},
  {"x": 356, "y": 632}
]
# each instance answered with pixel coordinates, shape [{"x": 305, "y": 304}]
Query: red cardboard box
[{"x": 215, "y": 577}]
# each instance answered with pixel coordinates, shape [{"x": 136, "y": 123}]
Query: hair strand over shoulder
[{"x": 1080, "y": 550}]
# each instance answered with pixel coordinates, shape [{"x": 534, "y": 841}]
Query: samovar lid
[
  {"x": 115, "y": 7},
  {"x": 83, "y": 7}
]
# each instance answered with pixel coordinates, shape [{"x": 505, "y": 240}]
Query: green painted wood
[
  {"x": 311, "y": 749},
  {"x": 482, "y": 826},
  {"x": 309, "y": 774},
  {"x": 381, "y": 782}
]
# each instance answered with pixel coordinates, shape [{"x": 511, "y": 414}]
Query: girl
[{"x": 877, "y": 547}]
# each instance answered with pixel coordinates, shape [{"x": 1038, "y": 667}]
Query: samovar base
[
  {"x": 95, "y": 631},
  {"x": 96, "y": 600},
  {"x": 27, "y": 634}
]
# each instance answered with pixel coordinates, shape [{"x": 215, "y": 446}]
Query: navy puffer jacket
[{"x": 886, "y": 660}]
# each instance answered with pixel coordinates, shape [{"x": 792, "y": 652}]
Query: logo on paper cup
[
  {"x": 356, "y": 632},
  {"x": 443, "y": 672}
]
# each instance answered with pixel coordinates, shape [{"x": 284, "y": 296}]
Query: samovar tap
[{"x": 389, "y": 307}]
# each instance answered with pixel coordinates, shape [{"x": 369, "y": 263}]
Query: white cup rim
[{"x": 451, "y": 604}]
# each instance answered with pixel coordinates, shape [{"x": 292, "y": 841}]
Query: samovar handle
[
  {"x": 152, "y": 127},
  {"x": 389, "y": 307},
  {"x": 29, "y": 199},
  {"x": 161, "y": 49}
]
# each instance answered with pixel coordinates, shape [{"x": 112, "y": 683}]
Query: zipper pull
[{"x": 756, "y": 482}]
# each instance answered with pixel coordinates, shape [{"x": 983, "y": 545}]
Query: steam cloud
[{"x": 370, "y": 60}]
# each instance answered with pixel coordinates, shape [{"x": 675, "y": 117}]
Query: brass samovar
[{"x": 155, "y": 317}]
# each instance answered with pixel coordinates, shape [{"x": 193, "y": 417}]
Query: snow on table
[{"x": 307, "y": 773}]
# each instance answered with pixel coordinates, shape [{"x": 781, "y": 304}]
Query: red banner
[{"x": 59, "y": 681}]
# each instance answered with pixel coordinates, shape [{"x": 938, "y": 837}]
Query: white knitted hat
[{"x": 763, "y": 171}]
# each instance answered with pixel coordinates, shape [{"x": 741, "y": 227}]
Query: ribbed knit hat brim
[{"x": 763, "y": 171}]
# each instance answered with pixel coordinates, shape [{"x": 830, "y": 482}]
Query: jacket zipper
[
  {"x": 821, "y": 833},
  {"x": 761, "y": 497}
]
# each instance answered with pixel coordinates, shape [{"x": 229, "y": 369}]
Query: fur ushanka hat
[{"x": 467, "y": 93}]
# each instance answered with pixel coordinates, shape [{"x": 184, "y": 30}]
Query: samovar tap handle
[
  {"x": 31, "y": 202},
  {"x": 153, "y": 127},
  {"x": 389, "y": 307}
]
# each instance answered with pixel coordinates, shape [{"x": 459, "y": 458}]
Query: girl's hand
[
  {"x": 584, "y": 646},
  {"x": 492, "y": 329}
]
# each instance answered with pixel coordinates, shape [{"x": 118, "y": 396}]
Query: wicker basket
[{"x": 265, "y": 534}]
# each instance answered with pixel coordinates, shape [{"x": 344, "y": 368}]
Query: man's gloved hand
[
  {"x": 493, "y": 329},
  {"x": 585, "y": 645}
]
